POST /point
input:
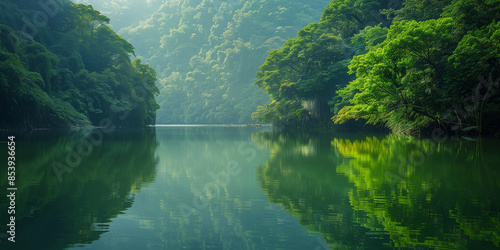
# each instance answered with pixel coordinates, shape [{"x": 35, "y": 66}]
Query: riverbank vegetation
[
  {"x": 410, "y": 67},
  {"x": 62, "y": 66}
]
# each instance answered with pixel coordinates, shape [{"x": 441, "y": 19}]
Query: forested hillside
[
  {"x": 206, "y": 53},
  {"x": 62, "y": 66},
  {"x": 409, "y": 67},
  {"x": 406, "y": 65}
]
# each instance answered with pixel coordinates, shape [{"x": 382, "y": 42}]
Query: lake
[{"x": 213, "y": 187}]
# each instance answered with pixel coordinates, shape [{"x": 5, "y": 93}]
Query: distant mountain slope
[{"x": 206, "y": 53}]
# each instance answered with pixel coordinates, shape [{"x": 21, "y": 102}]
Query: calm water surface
[{"x": 249, "y": 188}]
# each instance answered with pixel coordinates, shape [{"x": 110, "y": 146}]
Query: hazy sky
[{"x": 124, "y": 13}]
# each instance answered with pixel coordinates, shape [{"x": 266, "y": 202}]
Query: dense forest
[
  {"x": 61, "y": 65},
  {"x": 206, "y": 53},
  {"x": 409, "y": 67}
]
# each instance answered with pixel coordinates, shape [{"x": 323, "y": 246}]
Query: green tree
[
  {"x": 75, "y": 72},
  {"x": 87, "y": 19},
  {"x": 476, "y": 63},
  {"x": 302, "y": 78},
  {"x": 400, "y": 82},
  {"x": 421, "y": 10}
]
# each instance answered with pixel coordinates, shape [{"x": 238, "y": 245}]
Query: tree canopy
[
  {"x": 412, "y": 66},
  {"x": 72, "y": 71}
]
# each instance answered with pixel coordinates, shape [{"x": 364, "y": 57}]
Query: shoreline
[{"x": 211, "y": 125}]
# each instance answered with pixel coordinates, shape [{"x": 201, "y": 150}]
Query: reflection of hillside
[
  {"x": 54, "y": 215},
  {"x": 307, "y": 185},
  {"x": 236, "y": 215},
  {"x": 192, "y": 154},
  {"x": 444, "y": 200}
]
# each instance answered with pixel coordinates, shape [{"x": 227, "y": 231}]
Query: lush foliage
[
  {"x": 303, "y": 76},
  {"x": 412, "y": 67},
  {"x": 70, "y": 70},
  {"x": 207, "y": 52},
  {"x": 395, "y": 80}
]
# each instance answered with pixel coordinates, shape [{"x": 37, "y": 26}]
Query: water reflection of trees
[
  {"x": 232, "y": 215},
  {"x": 301, "y": 176},
  {"x": 54, "y": 215},
  {"x": 407, "y": 192},
  {"x": 444, "y": 199}
]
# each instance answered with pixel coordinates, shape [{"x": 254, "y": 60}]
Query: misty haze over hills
[{"x": 206, "y": 53}]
